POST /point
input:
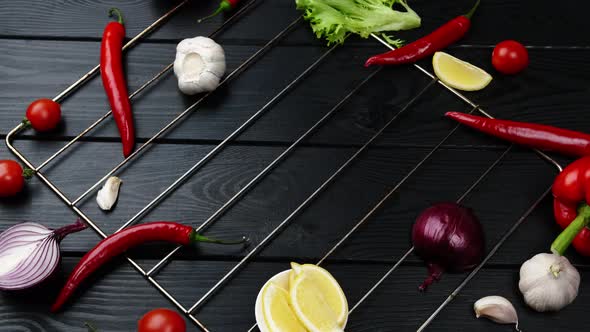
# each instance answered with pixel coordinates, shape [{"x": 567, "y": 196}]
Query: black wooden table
[{"x": 46, "y": 45}]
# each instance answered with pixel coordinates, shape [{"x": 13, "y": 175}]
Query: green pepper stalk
[{"x": 563, "y": 240}]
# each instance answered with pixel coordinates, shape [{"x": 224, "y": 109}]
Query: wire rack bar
[
  {"x": 411, "y": 249},
  {"x": 244, "y": 9},
  {"x": 229, "y": 275},
  {"x": 80, "y": 82},
  {"x": 187, "y": 111},
  {"x": 228, "y": 139},
  {"x": 219, "y": 212},
  {"x": 92, "y": 72},
  {"x": 472, "y": 274}
]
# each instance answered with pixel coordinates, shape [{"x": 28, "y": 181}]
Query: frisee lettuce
[{"x": 335, "y": 19}]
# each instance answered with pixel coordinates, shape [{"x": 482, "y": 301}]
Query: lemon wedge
[
  {"x": 278, "y": 314},
  {"x": 317, "y": 299},
  {"x": 459, "y": 74}
]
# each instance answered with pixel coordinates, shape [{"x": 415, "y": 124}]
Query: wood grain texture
[
  {"x": 116, "y": 297},
  {"x": 494, "y": 21},
  {"x": 46, "y": 45},
  {"x": 530, "y": 96},
  {"x": 444, "y": 178}
]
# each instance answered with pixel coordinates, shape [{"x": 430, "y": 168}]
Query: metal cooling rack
[{"x": 151, "y": 274}]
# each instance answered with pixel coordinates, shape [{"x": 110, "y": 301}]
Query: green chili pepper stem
[
  {"x": 473, "y": 9},
  {"x": 115, "y": 11},
  {"x": 563, "y": 240},
  {"x": 224, "y": 6},
  {"x": 196, "y": 237}
]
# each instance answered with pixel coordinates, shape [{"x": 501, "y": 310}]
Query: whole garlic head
[
  {"x": 548, "y": 282},
  {"x": 199, "y": 65}
]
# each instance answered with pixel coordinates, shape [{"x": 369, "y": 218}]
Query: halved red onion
[{"x": 29, "y": 253}]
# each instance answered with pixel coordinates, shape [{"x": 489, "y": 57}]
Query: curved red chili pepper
[
  {"x": 440, "y": 38},
  {"x": 570, "y": 189},
  {"x": 224, "y": 6},
  {"x": 124, "y": 240},
  {"x": 113, "y": 80},
  {"x": 542, "y": 137}
]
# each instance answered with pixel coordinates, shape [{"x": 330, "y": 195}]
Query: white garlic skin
[
  {"x": 199, "y": 65},
  {"x": 496, "y": 308},
  {"x": 548, "y": 282},
  {"x": 109, "y": 193}
]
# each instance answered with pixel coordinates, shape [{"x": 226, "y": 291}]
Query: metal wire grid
[{"x": 150, "y": 275}]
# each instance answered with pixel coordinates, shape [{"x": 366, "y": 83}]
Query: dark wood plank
[
  {"x": 528, "y": 97},
  {"x": 444, "y": 178},
  {"x": 53, "y": 18},
  {"x": 117, "y": 296}
]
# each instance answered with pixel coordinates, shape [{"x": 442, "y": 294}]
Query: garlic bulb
[
  {"x": 199, "y": 65},
  {"x": 548, "y": 282},
  {"x": 497, "y": 309},
  {"x": 108, "y": 194}
]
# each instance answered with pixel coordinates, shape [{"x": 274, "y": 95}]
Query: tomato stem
[
  {"x": 563, "y": 240},
  {"x": 26, "y": 124},
  {"x": 115, "y": 11},
  {"x": 28, "y": 173}
]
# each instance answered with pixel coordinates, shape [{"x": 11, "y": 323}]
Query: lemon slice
[
  {"x": 317, "y": 299},
  {"x": 278, "y": 315},
  {"x": 458, "y": 73}
]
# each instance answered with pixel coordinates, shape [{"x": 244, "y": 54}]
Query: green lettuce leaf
[{"x": 335, "y": 19}]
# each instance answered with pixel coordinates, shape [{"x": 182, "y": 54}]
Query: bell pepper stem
[
  {"x": 473, "y": 9},
  {"x": 563, "y": 240},
  {"x": 196, "y": 237}
]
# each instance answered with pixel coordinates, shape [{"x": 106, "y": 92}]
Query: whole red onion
[{"x": 448, "y": 237}]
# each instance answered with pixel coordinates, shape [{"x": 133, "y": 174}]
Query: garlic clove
[
  {"x": 108, "y": 194},
  {"x": 496, "y": 308}
]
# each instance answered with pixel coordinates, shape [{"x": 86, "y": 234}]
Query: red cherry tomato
[
  {"x": 510, "y": 57},
  {"x": 11, "y": 178},
  {"x": 161, "y": 320},
  {"x": 44, "y": 114}
]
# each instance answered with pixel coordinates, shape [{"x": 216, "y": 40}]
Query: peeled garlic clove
[
  {"x": 108, "y": 194},
  {"x": 497, "y": 309}
]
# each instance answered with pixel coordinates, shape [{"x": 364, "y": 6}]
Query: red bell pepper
[{"x": 571, "y": 197}]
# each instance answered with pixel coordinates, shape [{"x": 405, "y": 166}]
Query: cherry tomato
[
  {"x": 11, "y": 178},
  {"x": 44, "y": 114},
  {"x": 510, "y": 57},
  {"x": 161, "y": 320}
]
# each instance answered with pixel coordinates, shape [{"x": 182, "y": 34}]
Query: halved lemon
[
  {"x": 278, "y": 314},
  {"x": 317, "y": 299},
  {"x": 459, "y": 74}
]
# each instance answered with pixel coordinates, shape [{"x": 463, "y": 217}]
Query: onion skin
[
  {"x": 40, "y": 257},
  {"x": 448, "y": 237}
]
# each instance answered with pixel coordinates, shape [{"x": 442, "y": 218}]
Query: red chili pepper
[
  {"x": 542, "y": 137},
  {"x": 571, "y": 196},
  {"x": 440, "y": 38},
  {"x": 224, "y": 6},
  {"x": 124, "y": 240},
  {"x": 113, "y": 80}
]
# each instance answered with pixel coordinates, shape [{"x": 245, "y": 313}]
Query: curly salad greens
[{"x": 335, "y": 19}]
